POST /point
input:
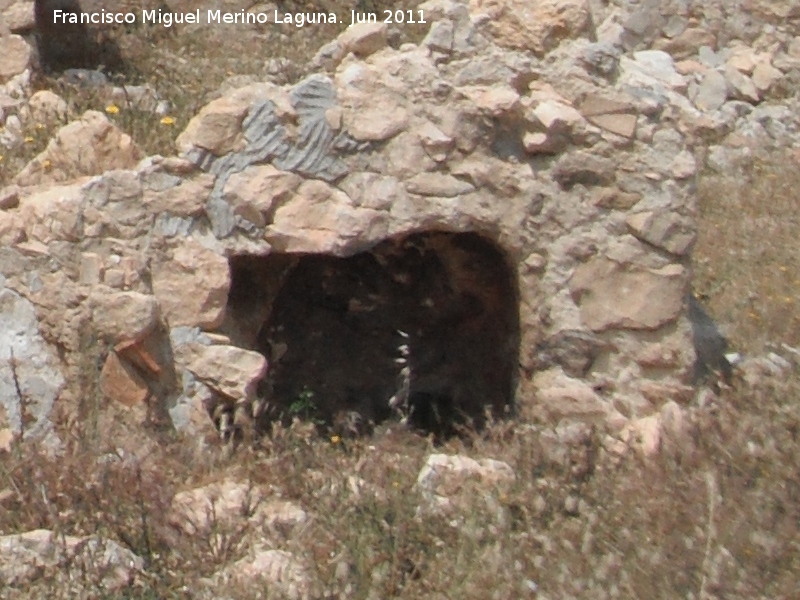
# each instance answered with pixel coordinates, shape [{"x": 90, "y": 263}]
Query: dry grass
[
  {"x": 715, "y": 513},
  {"x": 747, "y": 259}
]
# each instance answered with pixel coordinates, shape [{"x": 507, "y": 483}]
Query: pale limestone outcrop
[
  {"x": 537, "y": 27},
  {"x": 123, "y": 316},
  {"x": 15, "y": 56},
  {"x": 277, "y": 569},
  {"x": 611, "y": 295},
  {"x": 562, "y": 396},
  {"x": 563, "y": 135},
  {"x": 231, "y": 371},
  {"x": 30, "y": 378},
  {"x": 24, "y": 557},
  {"x": 191, "y": 284},
  {"x": 88, "y": 146},
  {"x": 221, "y": 507},
  {"x": 446, "y": 481}
]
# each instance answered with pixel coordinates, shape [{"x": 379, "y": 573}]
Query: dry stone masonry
[{"x": 512, "y": 199}]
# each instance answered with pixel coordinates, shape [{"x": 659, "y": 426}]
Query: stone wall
[{"x": 573, "y": 161}]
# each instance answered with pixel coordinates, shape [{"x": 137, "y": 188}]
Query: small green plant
[{"x": 305, "y": 408}]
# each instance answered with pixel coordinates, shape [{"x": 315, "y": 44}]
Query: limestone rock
[
  {"x": 651, "y": 65},
  {"x": 554, "y": 123},
  {"x": 552, "y": 114},
  {"x": 687, "y": 42},
  {"x": 6, "y": 439},
  {"x": 675, "y": 433},
  {"x": 438, "y": 184},
  {"x": 573, "y": 351},
  {"x": 495, "y": 101},
  {"x": 743, "y": 59},
  {"x": 46, "y": 107},
  {"x": 89, "y": 146},
  {"x": 15, "y": 56},
  {"x": 561, "y": 396},
  {"x": 446, "y": 480},
  {"x": 53, "y": 213},
  {"x": 371, "y": 190},
  {"x": 120, "y": 382},
  {"x": 121, "y": 316},
  {"x": 645, "y": 434},
  {"x": 367, "y": 123},
  {"x": 765, "y": 76},
  {"x": 583, "y": 168},
  {"x": 615, "y": 198},
  {"x": 363, "y": 39},
  {"x": 601, "y": 57},
  {"x": 258, "y": 190},
  {"x": 19, "y": 17},
  {"x": 276, "y": 569},
  {"x": 540, "y": 142},
  {"x": 26, "y": 361},
  {"x": 12, "y": 230},
  {"x": 222, "y": 506},
  {"x": 658, "y": 356},
  {"x": 217, "y": 127},
  {"x": 192, "y": 286},
  {"x": 712, "y": 92},
  {"x": 188, "y": 199},
  {"x": 537, "y": 27},
  {"x": 437, "y": 144},
  {"x": 9, "y": 197},
  {"x": 231, "y": 371},
  {"x": 665, "y": 230},
  {"x": 742, "y": 86},
  {"x": 24, "y": 556},
  {"x": 657, "y": 393},
  {"x": 611, "y": 295},
  {"x": 320, "y": 218}
]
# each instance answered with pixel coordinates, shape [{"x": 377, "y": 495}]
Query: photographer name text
[{"x": 299, "y": 19}]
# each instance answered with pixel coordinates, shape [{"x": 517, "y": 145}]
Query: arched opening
[{"x": 428, "y": 322}]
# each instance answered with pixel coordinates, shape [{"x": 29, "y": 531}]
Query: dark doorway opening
[
  {"x": 430, "y": 319},
  {"x": 64, "y": 42}
]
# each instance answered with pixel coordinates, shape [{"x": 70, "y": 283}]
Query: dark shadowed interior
[
  {"x": 329, "y": 328},
  {"x": 64, "y": 45}
]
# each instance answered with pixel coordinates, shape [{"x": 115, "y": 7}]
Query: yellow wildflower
[
  {"x": 112, "y": 109},
  {"x": 168, "y": 120},
  {"x": 335, "y": 439}
]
